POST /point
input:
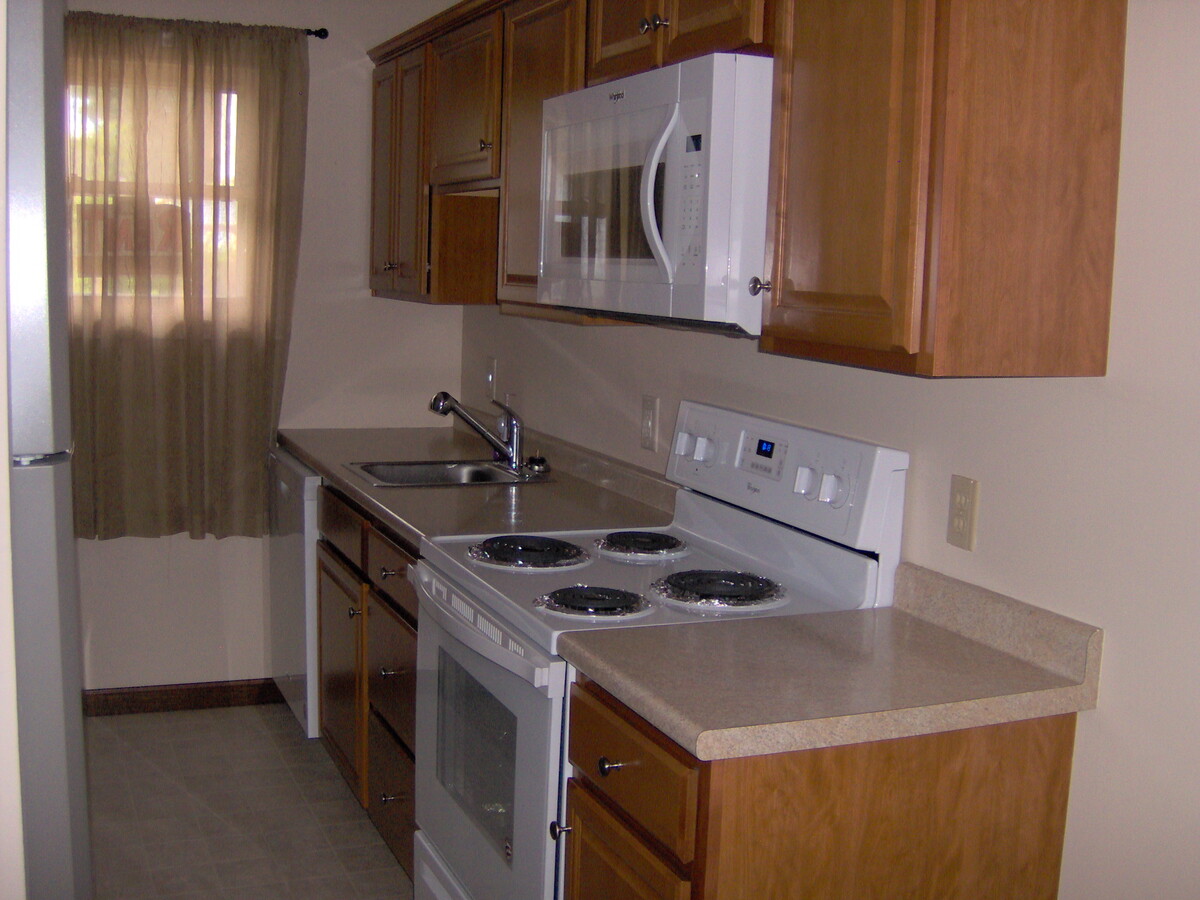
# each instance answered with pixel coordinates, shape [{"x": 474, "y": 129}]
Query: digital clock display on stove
[{"x": 765, "y": 449}]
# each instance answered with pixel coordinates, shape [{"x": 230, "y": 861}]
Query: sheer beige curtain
[{"x": 185, "y": 168}]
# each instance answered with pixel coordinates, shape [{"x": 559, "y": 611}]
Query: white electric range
[{"x": 771, "y": 519}]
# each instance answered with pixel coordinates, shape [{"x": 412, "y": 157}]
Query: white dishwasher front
[{"x": 291, "y": 589}]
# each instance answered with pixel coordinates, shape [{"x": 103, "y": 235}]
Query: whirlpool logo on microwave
[{"x": 616, "y": 95}]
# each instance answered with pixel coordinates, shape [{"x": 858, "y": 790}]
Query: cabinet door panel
[
  {"x": 465, "y": 109},
  {"x": 697, "y": 27},
  {"x": 339, "y": 598},
  {"x": 850, "y": 169},
  {"x": 605, "y": 860},
  {"x": 399, "y": 179},
  {"x": 543, "y": 57},
  {"x": 616, "y": 45}
]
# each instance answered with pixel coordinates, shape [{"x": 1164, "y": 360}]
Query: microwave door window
[{"x": 594, "y": 228}]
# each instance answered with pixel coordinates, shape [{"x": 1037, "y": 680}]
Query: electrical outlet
[
  {"x": 964, "y": 511},
  {"x": 649, "y": 423},
  {"x": 489, "y": 378}
]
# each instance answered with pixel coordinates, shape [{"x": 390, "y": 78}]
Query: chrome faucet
[{"x": 509, "y": 447}]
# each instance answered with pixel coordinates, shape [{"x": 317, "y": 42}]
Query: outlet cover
[
  {"x": 649, "y": 422},
  {"x": 964, "y": 512}
]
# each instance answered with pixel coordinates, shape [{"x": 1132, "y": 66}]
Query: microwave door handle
[{"x": 650, "y": 223}]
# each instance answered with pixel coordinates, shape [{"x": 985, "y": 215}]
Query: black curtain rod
[{"x": 319, "y": 33}]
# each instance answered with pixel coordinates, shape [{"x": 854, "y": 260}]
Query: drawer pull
[
  {"x": 606, "y": 765},
  {"x": 388, "y": 798},
  {"x": 385, "y": 573},
  {"x": 385, "y": 672},
  {"x": 351, "y": 612},
  {"x": 557, "y": 831}
]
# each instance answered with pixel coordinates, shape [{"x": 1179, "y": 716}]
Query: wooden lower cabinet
[
  {"x": 958, "y": 815},
  {"x": 343, "y": 689}
]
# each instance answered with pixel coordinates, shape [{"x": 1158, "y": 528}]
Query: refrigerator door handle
[{"x": 42, "y": 459}]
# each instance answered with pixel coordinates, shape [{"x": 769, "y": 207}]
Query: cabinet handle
[
  {"x": 385, "y": 672},
  {"x": 644, "y": 25},
  {"x": 557, "y": 831},
  {"x": 351, "y": 612},
  {"x": 484, "y": 145},
  {"x": 385, "y": 573},
  {"x": 757, "y": 286},
  {"x": 390, "y": 267},
  {"x": 388, "y": 798},
  {"x": 657, "y": 22},
  {"x": 606, "y": 765}
]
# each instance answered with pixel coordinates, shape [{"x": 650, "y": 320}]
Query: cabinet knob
[
  {"x": 388, "y": 798},
  {"x": 390, "y": 267},
  {"x": 657, "y": 22},
  {"x": 351, "y": 612},
  {"x": 557, "y": 831},
  {"x": 484, "y": 145},
  {"x": 606, "y": 765},
  {"x": 757, "y": 286},
  {"x": 385, "y": 573},
  {"x": 385, "y": 672},
  {"x": 644, "y": 25}
]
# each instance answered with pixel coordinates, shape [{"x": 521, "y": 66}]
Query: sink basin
[{"x": 435, "y": 474}]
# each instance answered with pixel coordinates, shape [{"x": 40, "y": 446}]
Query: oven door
[{"x": 489, "y": 749}]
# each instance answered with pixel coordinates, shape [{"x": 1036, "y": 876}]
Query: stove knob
[
  {"x": 705, "y": 452},
  {"x": 834, "y": 490},
  {"x": 806, "y": 482},
  {"x": 684, "y": 444}
]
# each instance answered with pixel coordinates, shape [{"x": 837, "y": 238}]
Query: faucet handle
[{"x": 507, "y": 409}]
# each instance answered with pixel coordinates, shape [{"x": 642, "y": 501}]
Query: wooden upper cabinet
[
  {"x": 543, "y": 57},
  {"x": 944, "y": 184},
  {"x": 399, "y": 177},
  {"x": 630, "y": 36},
  {"x": 465, "y": 102}
]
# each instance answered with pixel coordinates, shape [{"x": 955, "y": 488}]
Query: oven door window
[{"x": 484, "y": 786}]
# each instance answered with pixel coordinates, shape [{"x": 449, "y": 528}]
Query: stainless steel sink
[{"x": 436, "y": 474}]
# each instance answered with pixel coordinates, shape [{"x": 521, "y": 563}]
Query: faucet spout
[{"x": 508, "y": 447}]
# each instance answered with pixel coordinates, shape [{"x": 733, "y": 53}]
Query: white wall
[
  {"x": 159, "y": 612},
  {"x": 1090, "y": 488}
]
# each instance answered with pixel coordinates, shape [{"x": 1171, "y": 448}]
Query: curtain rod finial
[{"x": 319, "y": 33}]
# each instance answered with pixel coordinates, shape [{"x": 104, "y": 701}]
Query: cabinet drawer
[
  {"x": 605, "y": 860},
  {"x": 391, "y": 803},
  {"x": 653, "y": 781},
  {"x": 392, "y": 668},
  {"x": 386, "y": 566},
  {"x": 341, "y": 525}
]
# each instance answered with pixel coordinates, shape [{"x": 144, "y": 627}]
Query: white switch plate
[
  {"x": 964, "y": 512},
  {"x": 649, "y": 422},
  {"x": 489, "y": 378}
]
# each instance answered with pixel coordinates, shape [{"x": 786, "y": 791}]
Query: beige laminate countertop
[{"x": 948, "y": 655}]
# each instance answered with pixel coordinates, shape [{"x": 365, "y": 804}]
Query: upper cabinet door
[
  {"x": 851, "y": 156},
  {"x": 543, "y": 57},
  {"x": 691, "y": 28},
  {"x": 399, "y": 181},
  {"x": 944, "y": 178},
  {"x": 465, "y": 105},
  {"x": 630, "y": 36}
]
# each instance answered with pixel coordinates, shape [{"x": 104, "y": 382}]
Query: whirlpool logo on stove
[
  {"x": 753, "y": 488},
  {"x": 616, "y": 95}
]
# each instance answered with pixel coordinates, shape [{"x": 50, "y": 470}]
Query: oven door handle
[{"x": 532, "y": 667}]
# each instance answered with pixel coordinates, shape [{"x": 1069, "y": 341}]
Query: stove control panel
[{"x": 837, "y": 487}]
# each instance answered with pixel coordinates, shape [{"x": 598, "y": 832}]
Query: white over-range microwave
[{"x": 654, "y": 194}]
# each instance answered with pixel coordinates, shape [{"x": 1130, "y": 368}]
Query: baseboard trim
[{"x": 176, "y": 697}]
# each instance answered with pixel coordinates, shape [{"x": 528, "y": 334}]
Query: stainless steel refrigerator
[{"x": 45, "y": 581}]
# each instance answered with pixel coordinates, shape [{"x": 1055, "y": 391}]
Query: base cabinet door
[
  {"x": 606, "y": 861},
  {"x": 343, "y": 719}
]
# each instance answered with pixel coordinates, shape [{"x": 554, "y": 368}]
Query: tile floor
[{"x": 227, "y": 804}]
